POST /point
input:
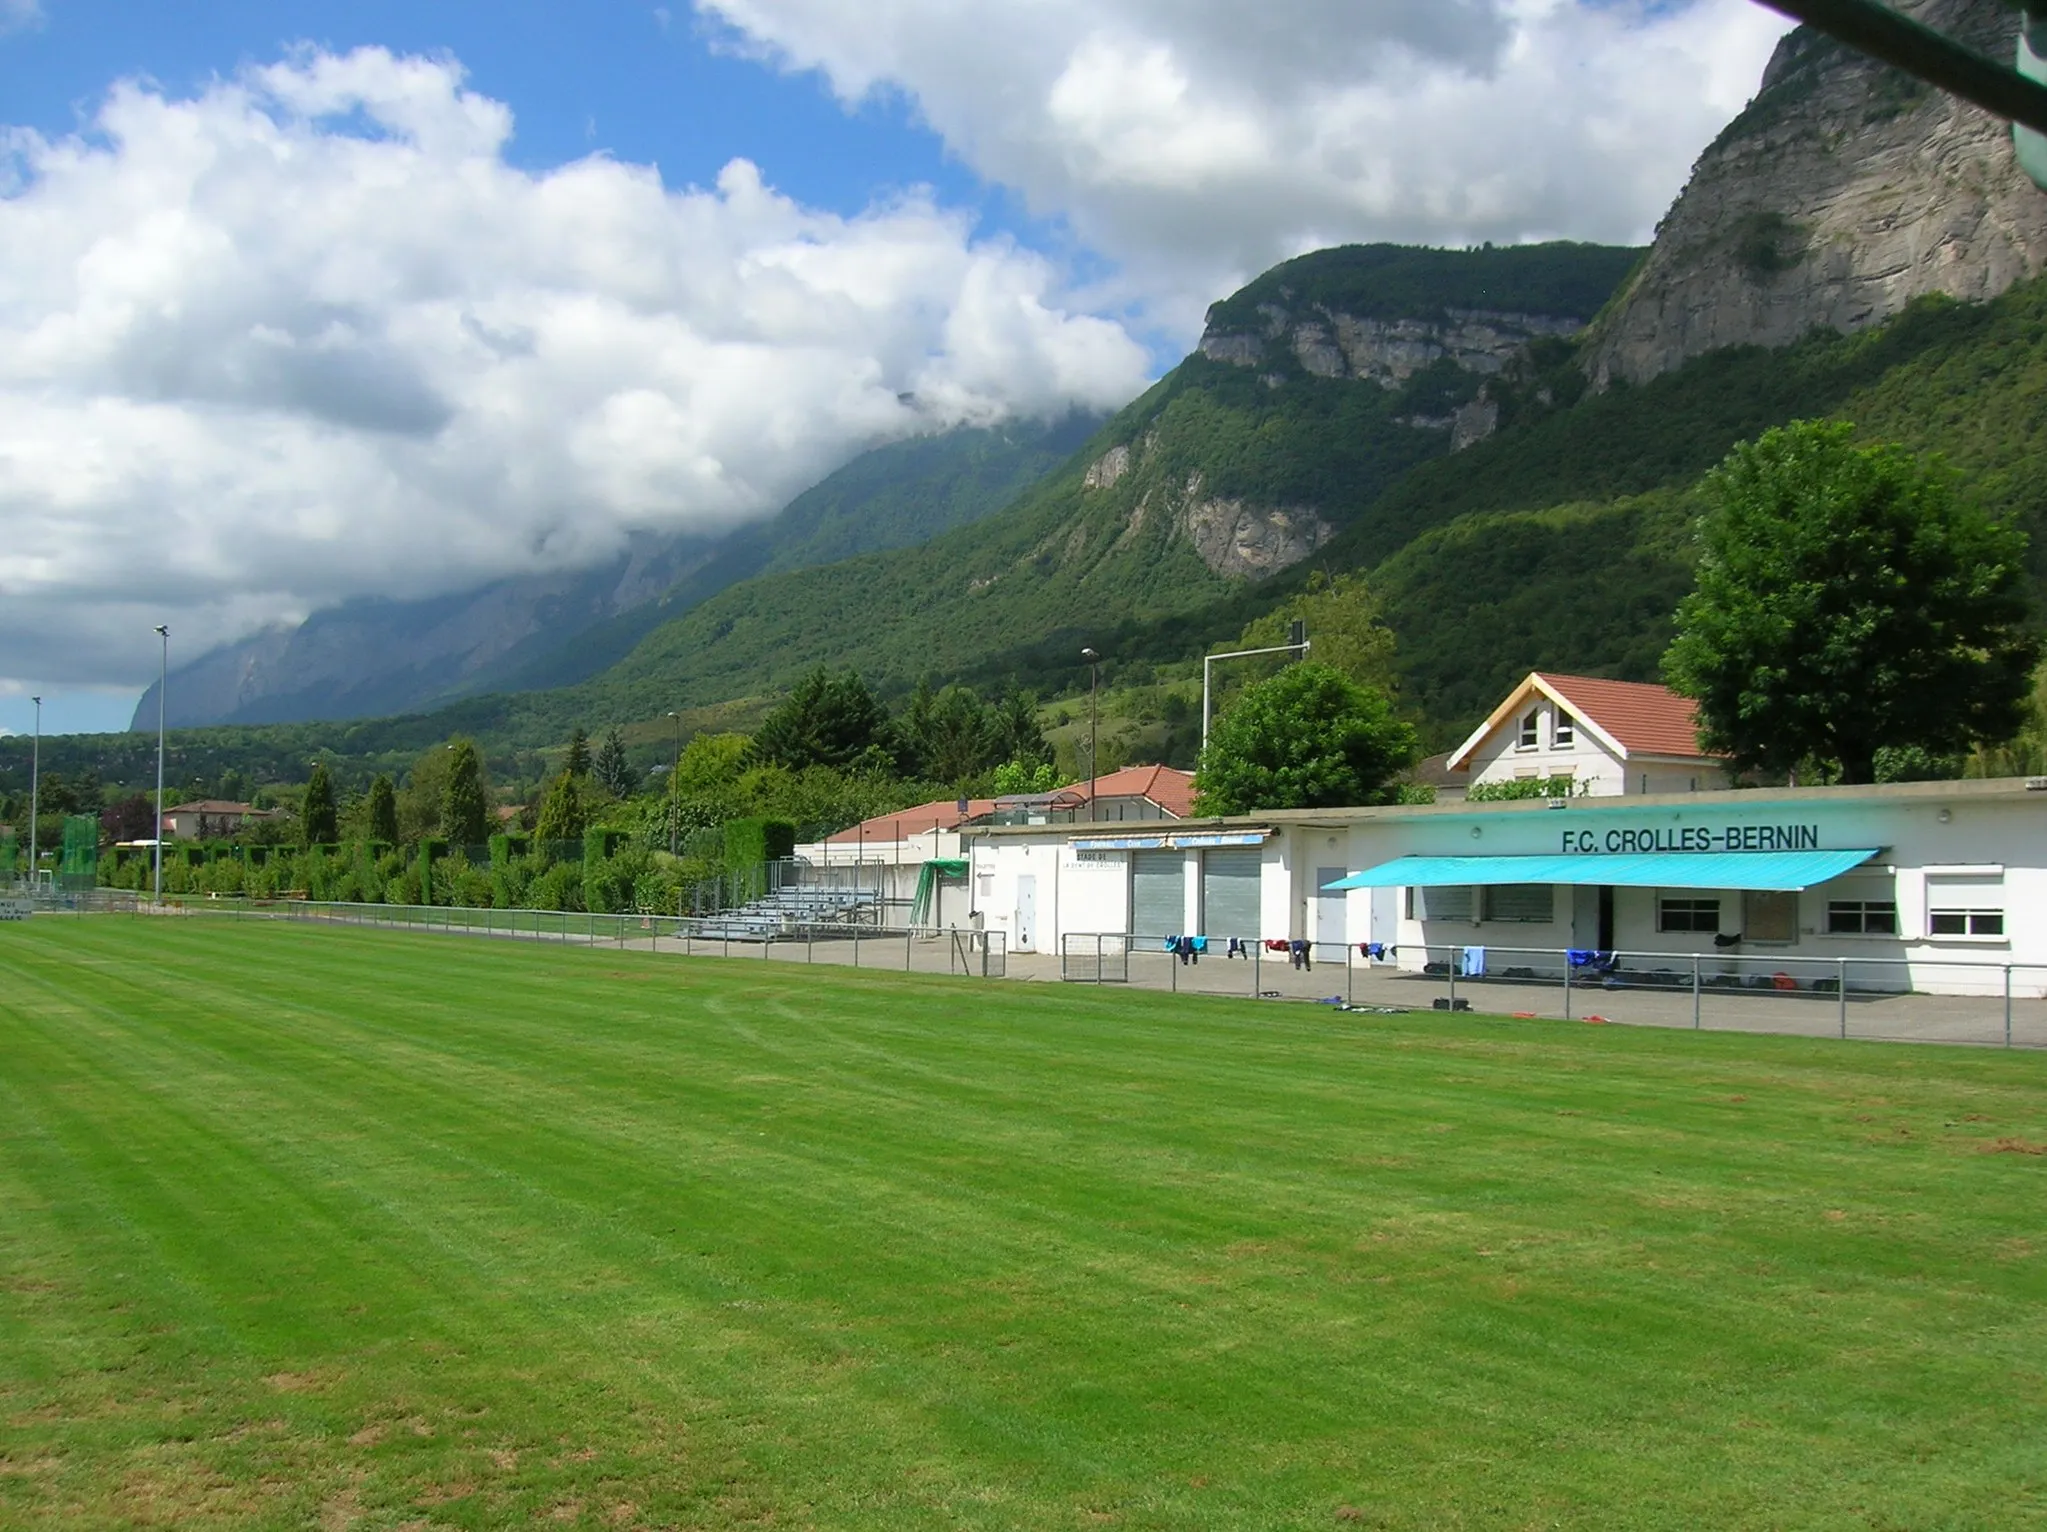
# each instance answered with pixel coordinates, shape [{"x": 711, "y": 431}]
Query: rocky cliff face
[
  {"x": 1844, "y": 191},
  {"x": 1332, "y": 344}
]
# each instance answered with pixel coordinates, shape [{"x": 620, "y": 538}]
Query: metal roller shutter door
[
  {"x": 1158, "y": 893},
  {"x": 1229, "y": 891}
]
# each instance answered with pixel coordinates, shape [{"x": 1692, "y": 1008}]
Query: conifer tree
[
  {"x": 563, "y": 816},
  {"x": 613, "y": 769},
  {"x": 383, "y": 811},
  {"x": 578, "y": 762},
  {"x": 317, "y": 819},
  {"x": 465, "y": 809}
]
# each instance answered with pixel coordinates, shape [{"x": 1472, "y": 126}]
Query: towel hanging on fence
[{"x": 1471, "y": 963}]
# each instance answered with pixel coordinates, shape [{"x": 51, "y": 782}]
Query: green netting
[
  {"x": 927, "y": 886},
  {"x": 81, "y": 863}
]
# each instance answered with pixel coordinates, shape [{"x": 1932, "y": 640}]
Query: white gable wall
[{"x": 1500, "y": 758}]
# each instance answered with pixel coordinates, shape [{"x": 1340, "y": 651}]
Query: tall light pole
[
  {"x": 672, "y": 771},
  {"x": 35, "y": 783},
  {"x": 1094, "y": 662},
  {"x": 162, "y": 686}
]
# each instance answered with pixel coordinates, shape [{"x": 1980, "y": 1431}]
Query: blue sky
[{"x": 217, "y": 278}]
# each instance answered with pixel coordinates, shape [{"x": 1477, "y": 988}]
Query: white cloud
[
  {"x": 1196, "y": 142},
  {"x": 309, "y": 335}
]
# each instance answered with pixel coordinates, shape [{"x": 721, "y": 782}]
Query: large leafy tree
[
  {"x": 1848, "y": 602},
  {"x": 828, "y": 720},
  {"x": 465, "y": 804},
  {"x": 1307, "y": 738},
  {"x": 319, "y": 824}
]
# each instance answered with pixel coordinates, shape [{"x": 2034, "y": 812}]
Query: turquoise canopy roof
[{"x": 1633, "y": 869}]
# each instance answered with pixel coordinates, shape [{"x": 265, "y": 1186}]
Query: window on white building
[
  {"x": 1862, "y": 917},
  {"x": 1530, "y": 737},
  {"x": 1769, "y": 915},
  {"x": 1565, "y": 735},
  {"x": 1688, "y": 915},
  {"x": 1965, "y": 905},
  {"x": 1527, "y": 903},
  {"x": 1448, "y": 903},
  {"x": 1965, "y": 922}
]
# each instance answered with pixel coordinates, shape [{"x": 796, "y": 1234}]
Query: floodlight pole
[
  {"x": 35, "y": 782},
  {"x": 163, "y": 684},
  {"x": 1207, "y": 661},
  {"x": 1094, "y": 770},
  {"x": 673, "y": 772}
]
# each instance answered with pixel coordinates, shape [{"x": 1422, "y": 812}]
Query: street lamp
[
  {"x": 1297, "y": 645},
  {"x": 672, "y": 771},
  {"x": 1094, "y": 662},
  {"x": 35, "y": 782},
  {"x": 163, "y": 684}
]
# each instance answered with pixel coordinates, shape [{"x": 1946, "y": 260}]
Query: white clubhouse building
[{"x": 1924, "y": 874}]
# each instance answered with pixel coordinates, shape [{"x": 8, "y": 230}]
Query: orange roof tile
[
  {"x": 1168, "y": 787},
  {"x": 940, "y": 814},
  {"x": 1645, "y": 718}
]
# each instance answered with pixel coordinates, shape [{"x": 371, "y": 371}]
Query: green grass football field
[{"x": 339, "y": 1228}]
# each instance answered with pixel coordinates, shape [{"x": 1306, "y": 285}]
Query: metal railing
[
  {"x": 947, "y": 950},
  {"x": 1992, "y": 1002}
]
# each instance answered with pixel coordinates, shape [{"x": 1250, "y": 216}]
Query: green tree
[
  {"x": 563, "y": 815},
  {"x": 960, "y": 737},
  {"x": 465, "y": 803},
  {"x": 383, "y": 810},
  {"x": 1307, "y": 738},
  {"x": 613, "y": 769},
  {"x": 709, "y": 766},
  {"x": 1847, "y": 602},
  {"x": 318, "y": 823},
  {"x": 577, "y": 763},
  {"x": 1019, "y": 776},
  {"x": 1345, "y": 629},
  {"x": 1020, "y": 737},
  {"x": 828, "y": 720}
]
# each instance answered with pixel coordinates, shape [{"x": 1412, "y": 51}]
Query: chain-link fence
[
  {"x": 1982, "y": 1001},
  {"x": 977, "y": 954}
]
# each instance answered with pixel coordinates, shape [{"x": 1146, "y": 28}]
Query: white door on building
[
  {"x": 1385, "y": 917},
  {"x": 1331, "y": 909},
  {"x": 1027, "y": 914}
]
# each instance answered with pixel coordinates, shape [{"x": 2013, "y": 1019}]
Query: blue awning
[{"x": 1636, "y": 869}]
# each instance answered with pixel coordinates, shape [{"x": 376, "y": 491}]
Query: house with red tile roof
[
  {"x": 933, "y": 830},
  {"x": 1607, "y": 737}
]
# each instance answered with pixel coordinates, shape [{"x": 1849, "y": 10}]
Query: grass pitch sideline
[{"x": 340, "y": 1228}]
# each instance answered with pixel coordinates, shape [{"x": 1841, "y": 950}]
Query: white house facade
[
  {"x": 1607, "y": 738},
  {"x": 1908, "y": 880}
]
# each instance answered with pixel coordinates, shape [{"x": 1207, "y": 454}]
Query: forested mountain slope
[
  {"x": 373, "y": 657},
  {"x": 1315, "y": 390}
]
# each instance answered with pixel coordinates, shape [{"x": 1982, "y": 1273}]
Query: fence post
[
  {"x": 1567, "y": 984},
  {"x": 2007, "y": 1005},
  {"x": 909, "y": 939},
  {"x": 1451, "y": 966},
  {"x": 1350, "y": 970},
  {"x": 1257, "y": 968},
  {"x": 1841, "y": 979},
  {"x": 1695, "y": 992}
]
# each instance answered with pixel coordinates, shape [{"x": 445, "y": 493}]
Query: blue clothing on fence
[{"x": 1471, "y": 963}]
